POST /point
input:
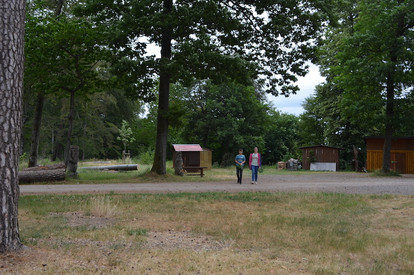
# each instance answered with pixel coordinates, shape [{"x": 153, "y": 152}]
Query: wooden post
[
  {"x": 73, "y": 160},
  {"x": 126, "y": 157}
]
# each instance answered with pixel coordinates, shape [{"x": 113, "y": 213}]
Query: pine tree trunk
[
  {"x": 37, "y": 120},
  {"x": 70, "y": 127},
  {"x": 12, "y": 16},
  {"x": 160, "y": 157}
]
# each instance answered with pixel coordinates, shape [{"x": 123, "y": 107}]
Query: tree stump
[
  {"x": 178, "y": 164},
  {"x": 73, "y": 161},
  {"x": 126, "y": 156}
]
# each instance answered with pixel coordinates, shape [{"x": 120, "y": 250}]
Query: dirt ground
[{"x": 338, "y": 182}]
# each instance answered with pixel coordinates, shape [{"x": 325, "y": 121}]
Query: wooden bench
[{"x": 194, "y": 170}]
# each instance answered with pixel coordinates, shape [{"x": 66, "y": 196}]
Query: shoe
[
  {"x": 252, "y": 182},
  {"x": 255, "y": 182}
]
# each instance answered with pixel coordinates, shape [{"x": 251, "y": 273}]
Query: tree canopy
[{"x": 214, "y": 40}]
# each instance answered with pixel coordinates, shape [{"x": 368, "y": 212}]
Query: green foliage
[
  {"x": 64, "y": 56},
  {"x": 146, "y": 157},
  {"x": 125, "y": 134},
  {"x": 213, "y": 40},
  {"x": 367, "y": 61},
  {"x": 376, "y": 60},
  {"x": 225, "y": 118},
  {"x": 281, "y": 136},
  {"x": 210, "y": 40},
  {"x": 332, "y": 118}
]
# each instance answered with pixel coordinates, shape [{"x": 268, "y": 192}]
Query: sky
[{"x": 293, "y": 103}]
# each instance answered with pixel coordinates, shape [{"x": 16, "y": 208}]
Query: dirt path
[{"x": 351, "y": 183}]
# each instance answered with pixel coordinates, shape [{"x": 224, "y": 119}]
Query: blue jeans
[{"x": 255, "y": 169}]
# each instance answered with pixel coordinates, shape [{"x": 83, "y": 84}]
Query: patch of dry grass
[
  {"x": 103, "y": 206},
  {"x": 215, "y": 233}
]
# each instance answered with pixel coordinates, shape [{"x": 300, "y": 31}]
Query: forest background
[{"x": 78, "y": 90}]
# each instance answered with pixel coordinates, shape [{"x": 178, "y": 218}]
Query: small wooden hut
[
  {"x": 194, "y": 155},
  {"x": 402, "y": 154},
  {"x": 320, "y": 158}
]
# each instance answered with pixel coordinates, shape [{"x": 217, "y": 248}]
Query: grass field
[
  {"x": 215, "y": 233},
  {"x": 143, "y": 175}
]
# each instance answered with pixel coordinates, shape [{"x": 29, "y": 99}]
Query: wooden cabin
[
  {"x": 194, "y": 155},
  {"x": 402, "y": 154},
  {"x": 320, "y": 158}
]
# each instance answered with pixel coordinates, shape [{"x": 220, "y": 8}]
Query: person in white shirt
[{"x": 255, "y": 162}]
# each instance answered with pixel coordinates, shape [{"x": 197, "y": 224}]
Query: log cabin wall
[{"x": 402, "y": 154}]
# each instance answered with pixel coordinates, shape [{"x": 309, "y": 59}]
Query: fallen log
[
  {"x": 46, "y": 167},
  {"x": 122, "y": 167},
  {"x": 42, "y": 175}
]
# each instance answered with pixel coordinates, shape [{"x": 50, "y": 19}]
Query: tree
[
  {"x": 377, "y": 59},
  {"x": 125, "y": 134},
  {"x": 11, "y": 89},
  {"x": 35, "y": 68},
  {"x": 335, "y": 118},
  {"x": 214, "y": 40},
  {"x": 224, "y": 118},
  {"x": 64, "y": 58},
  {"x": 280, "y": 137}
]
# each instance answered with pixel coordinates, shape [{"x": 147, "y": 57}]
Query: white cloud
[{"x": 293, "y": 103}]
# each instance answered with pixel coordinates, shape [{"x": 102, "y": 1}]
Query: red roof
[{"x": 187, "y": 147}]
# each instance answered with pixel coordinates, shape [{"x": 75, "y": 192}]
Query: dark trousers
[{"x": 239, "y": 173}]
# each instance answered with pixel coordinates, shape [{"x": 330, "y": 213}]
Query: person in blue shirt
[{"x": 240, "y": 160}]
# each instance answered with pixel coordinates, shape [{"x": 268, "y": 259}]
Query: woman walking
[
  {"x": 240, "y": 160},
  {"x": 255, "y": 162}
]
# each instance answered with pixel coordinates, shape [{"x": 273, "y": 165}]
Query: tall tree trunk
[
  {"x": 70, "y": 126},
  {"x": 389, "y": 119},
  {"x": 12, "y": 18},
  {"x": 37, "y": 120},
  {"x": 388, "y": 122},
  {"x": 160, "y": 157},
  {"x": 58, "y": 145}
]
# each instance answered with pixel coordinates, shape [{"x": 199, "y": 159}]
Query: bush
[
  {"x": 227, "y": 160},
  {"x": 146, "y": 157}
]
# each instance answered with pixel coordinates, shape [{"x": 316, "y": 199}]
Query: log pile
[{"x": 55, "y": 172}]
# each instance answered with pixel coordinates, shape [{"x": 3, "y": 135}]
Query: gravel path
[{"x": 351, "y": 183}]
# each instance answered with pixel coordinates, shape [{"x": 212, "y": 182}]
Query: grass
[
  {"x": 102, "y": 207},
  {"x": 143, "y": 174},
  {"x": 215, "y": 233},
  {"x": 379, "y": 173}
]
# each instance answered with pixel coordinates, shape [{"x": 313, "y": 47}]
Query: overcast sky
[{"x": 293, "y": 103}]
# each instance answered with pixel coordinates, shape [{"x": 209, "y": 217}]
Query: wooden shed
[
  {"x": 320, "y": 157},
  {"x": 402, "y": 154},
  {"x": 194, "y": 155}
]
